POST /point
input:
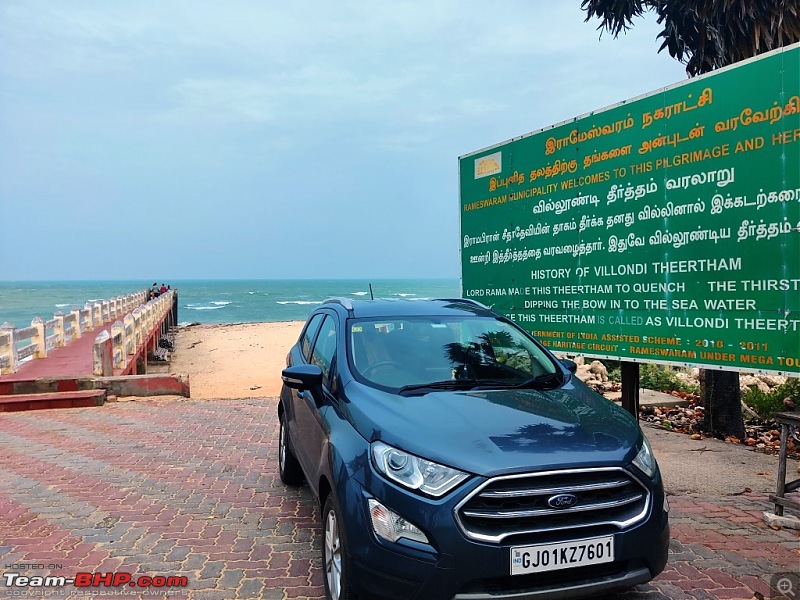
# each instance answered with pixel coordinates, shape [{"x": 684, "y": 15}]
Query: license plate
[{"x": 564, "y": 555}]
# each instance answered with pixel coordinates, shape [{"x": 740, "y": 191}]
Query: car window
[
  {"x": 325, "y": 348},
  {"x": 309, "y": 334}
]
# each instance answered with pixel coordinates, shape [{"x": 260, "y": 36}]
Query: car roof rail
[
  {"x": 466, "y": 301},
  {"x": 345, "y": 302}
]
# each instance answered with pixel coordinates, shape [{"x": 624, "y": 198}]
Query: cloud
[
  {"x": 248, "y": 112},
  {"x": 245, "y": 99}
]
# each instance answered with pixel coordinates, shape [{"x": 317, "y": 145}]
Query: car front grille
[{"x": 517, "y": 505}]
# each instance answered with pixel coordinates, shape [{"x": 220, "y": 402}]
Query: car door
[
  {"x": 312, "y": 407},
  {"x": 295, "y": 400}
]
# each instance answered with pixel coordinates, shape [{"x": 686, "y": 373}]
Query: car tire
[
  {"x": 335, "y": 562},
  {"x": 288, "y": 467}
]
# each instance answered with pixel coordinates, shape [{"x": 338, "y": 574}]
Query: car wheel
[
  {"x": 335, "y": 563},
  {"x": 289, "y": 468}
]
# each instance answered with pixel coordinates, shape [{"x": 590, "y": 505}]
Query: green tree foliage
[
  {"x": 706, "y": 35},
  {"x": 766, "y": 404}
]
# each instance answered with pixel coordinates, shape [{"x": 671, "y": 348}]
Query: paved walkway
[{"x": 190, "y": 488}]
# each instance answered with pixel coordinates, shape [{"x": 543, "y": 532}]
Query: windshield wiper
[
  {"x": 460, "y": 384},
  {"x": 542, "y": 382},
  {"x": 447, "y": 384}
]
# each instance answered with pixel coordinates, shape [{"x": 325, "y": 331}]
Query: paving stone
[
  {"x": 194, "y": 562},
  {"x": 212, "y": 569},
  {"x": 211, "y": 595},
  {"x": 251, "y": 588},
  {"x": 230, "y": 579}
]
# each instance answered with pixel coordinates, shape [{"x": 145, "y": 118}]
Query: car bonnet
[{"x": 499, "y": 431}]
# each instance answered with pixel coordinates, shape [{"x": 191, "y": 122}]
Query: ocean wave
[
  {"x": 404, "y": 295},
  {"x": 63, "y": 305},
  {"x": 359, "y": 293},
  {"x": 220, "y": 303},
  {"x": 202, "y": 307},
  {"x": 302, "y": 302}
]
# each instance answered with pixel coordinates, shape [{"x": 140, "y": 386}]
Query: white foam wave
[
  {"x": 301, "y": 302},
  {"x": 220, "y": 303},
  {"x": 404, "y": 295},
  {"x": 359, "y": 293},
  {"x": 63, "y": 305},
  {"x": 194, "y": 307}
]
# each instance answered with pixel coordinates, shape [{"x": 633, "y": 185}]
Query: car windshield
[{"x": 415, "y": 353}]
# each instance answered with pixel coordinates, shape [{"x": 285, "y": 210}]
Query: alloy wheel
[
  {"x": 333, "y": 556},
  {"x": 282, "y": 446}
]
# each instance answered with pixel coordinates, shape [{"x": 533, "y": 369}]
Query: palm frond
[{"x": 706, "y": 35}]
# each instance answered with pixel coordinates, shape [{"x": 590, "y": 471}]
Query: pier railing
[
  {"x": 130, "y": 334},
  {"x": 20, "y": 344}
]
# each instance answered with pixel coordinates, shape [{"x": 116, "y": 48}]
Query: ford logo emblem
[{"x": 562, "y": 501}]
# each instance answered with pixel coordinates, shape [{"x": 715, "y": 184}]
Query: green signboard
[{"x": 663, "y": 229}]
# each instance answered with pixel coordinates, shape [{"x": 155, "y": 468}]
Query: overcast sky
[{"x": 262, "y": 139}]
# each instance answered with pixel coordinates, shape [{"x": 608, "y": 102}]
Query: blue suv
[{"x": 454, "y": 456}]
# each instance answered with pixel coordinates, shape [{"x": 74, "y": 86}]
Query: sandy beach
[{"x": 234, "y": 361}]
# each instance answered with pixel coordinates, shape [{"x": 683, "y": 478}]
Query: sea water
[{"x": 214, "y": 301}]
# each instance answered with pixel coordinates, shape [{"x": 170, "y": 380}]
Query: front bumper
[{"x": 455, "y": 567}]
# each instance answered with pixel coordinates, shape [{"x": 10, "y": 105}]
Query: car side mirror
[
  {"x": 302, "y": 377},
  {"x": 570, "y": 365}
]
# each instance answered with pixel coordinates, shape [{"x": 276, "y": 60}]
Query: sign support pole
[{"x": 630, "y": 387}]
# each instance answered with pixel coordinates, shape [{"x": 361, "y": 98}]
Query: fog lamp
[{"x": 390, "y": 526}]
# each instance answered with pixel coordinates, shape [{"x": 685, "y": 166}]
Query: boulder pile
[
  {"x": 595, "y": 375},
  {"x": 765, "y": 383}
]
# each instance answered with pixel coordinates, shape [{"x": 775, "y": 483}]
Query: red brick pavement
[{"x": 190, "y": 488}]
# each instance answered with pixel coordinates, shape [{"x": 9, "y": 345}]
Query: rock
[
  {"x": 772, "y": 380},
  {"x": 599, "y": 369},
  {"x": 774, "y": 520},
  {"x": 687, "y": 377},
  {"x": 748, "y": 381}
]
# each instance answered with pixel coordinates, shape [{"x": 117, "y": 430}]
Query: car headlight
[
  {"x": 645, "y": 460},
  {"x": 413, "y": 472}
]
